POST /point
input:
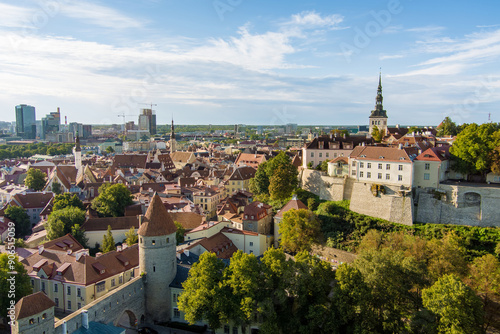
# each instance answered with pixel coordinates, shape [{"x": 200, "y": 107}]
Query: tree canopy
[
  {"x": 65, "y": 200},
  {"x": 458, "y": 307},
  {"x": 472, "y": 151},
  {"x": 22, "y": 281},
  {"x": 275, "y": 179},
  {"x": 108, "y": 242},
  {"x": 131, "y": 237},
  {"x": 19, "y": 216},
  {"x": 447, "y": 128},
  {"x": 112, "y": 200},
  {"x": 377, "y": 134},
  {"x": 35, "y": 179},
  {"x": 285, "y": 296},
  {"x": 62, "y": 221},
  {"x": 298, "y": 229},
  {"x": 179, "y": 234}
]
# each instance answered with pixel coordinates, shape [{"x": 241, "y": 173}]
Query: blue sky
[{"x": 251, "y": 61}]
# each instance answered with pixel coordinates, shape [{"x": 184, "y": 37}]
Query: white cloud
[
  {"x": 311, "y": 19},
  {"x": 15, "y": 17},
  {"x": 99, "y": 15},
  {"x": 385, "y": 57}
]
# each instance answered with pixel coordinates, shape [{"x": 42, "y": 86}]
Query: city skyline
[{"x": 225, "y": 62}]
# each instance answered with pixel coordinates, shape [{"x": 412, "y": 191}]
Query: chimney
[
  {"x": 140, "y": 219},
  {"x": 98, "y": 254},
  {"x": 40, "y": 249},
  {"x": 64, "y": 327},
  {"x": 119, "y": 248},
  {"x": 85, "y": 319},
  {"x": 400, "y": 146}
]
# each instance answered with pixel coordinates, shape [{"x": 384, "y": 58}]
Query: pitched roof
[
  {"x": 219, "y": 244},
  {"x": 380, "y": 153},
  {"x": 434, "y": 154},
  {"x": 256, "y": 209},
  {"x": 157, "y": 220},
  {"x": 249, "y": 159},
  {"x": 243, "y": 173},
  {"x": 292, "y": 204},
  {"x": 116, "y": 223},
  {"x": 188, "y": 220},
  {"x": 130, "y": 160},
  {"x": 33, "y": 304},
  {"x": 337, "y": 143},
  {"x": 179, "y": 156},
  {"x": 33, "y": 200},
  {"x": 64, "y": 243}
]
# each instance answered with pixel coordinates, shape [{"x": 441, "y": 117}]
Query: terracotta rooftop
[
  {"x": 33, "y": 304},
  {"x": 434, "y": 154},
  {"x": 64, "y": 243},
  {"x": 219, "y": 244},
  {"x": 292, "y": 204},
  {"x": 157, "y": 221},
  {"x": 33, "y": 200},
  {"x": 380, "y": 153},
  {"x": 243, "y": 173},
  {"x": 116, "y": 223},
  {"x": 188, "y": 220}
]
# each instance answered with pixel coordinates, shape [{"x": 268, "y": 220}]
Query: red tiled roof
[
  {"x": 292, "y": 204},
  {"x": 157, "y": 220},
  {"x": 380, "y": 153},
  {"x": 33, "y": 304}
]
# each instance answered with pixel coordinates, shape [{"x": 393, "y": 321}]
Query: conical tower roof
[{"x": 157, "y": 220}]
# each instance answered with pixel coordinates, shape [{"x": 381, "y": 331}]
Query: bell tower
[
  {"x": 378, "y": 116},
  {"x": 173, "y": 142}
]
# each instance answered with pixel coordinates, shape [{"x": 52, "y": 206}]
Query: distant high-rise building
[
  {"x": 50, "y": 123},
  {"x": 147, "y": 121},
  {"x": 25, "y": 121}
]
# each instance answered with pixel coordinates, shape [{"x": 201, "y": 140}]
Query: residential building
[
  {"x": 257, "y": 217},
  {"x": 33, "y": 203},
  {"x": 250, "y": 160},
  {"x": 431, "y": 167},
  {"x": 326, "y": 148},
  {"x": 25, "y": 121},
  {"x": 240, "y": 179},
  {"x": 382, "y": 165},
  {"x": 74, "y": 279},
  {"x": 294, "y": 203}
]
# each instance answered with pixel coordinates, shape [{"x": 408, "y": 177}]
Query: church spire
[
  {"x": 379, "y": 99},
  {"x": 172, "y": 132},
  {"x": 77, "y": 143}
]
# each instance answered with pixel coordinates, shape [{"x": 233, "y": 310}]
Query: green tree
[
  {"x": 203, "y": 289},
  {"x": 22, "y": 282},
  {"x": 299, "y": 229},
  {"x": 112, "y": 200},
  {"x": 414, "y": 129},
  {"x": 472, "y": 150},
  {"x": 35, "y": 179},
  {"x": 109, "y": 149},
  {"x": 447, "y": 128},
  {"x": 485, "y": 281},
  {"x": 458, "y": 308},
  {"x": 56, "y": 187},
  {"x": 259, "y": 184},
  {"x": 282, "y": 177},
  {"x": 61, "y": 222},
  {"x": 79, "y": 234},
  {"x": 179, "y": 234},
  {"x": 132, "y": 237},
  {"x": 377, "y": 134},
  {"x": 65, "y": 200},
  {"x": 19, "y": 216},
  {"x": 108, "y": 242}
]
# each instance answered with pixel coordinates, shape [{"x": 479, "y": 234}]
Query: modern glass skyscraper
[{"x": 25, "y": 121}]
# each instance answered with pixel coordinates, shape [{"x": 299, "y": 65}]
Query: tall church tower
[
  {"x": 77, "y": 152},
  {"x": 173, "y": 142},
  {"x": 157, "y": 258},
  {"x": 378, "y": 116}
]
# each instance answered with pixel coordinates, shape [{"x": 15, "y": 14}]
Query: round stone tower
[{"x": 157, "y": 258}]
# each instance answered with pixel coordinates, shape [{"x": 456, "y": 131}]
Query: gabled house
[
  {"x": 240, "y": 179},
  {"x": 257, "y": 217},
  {"x": 250, "y": 160},
  {"x": 294, "y": 203},
  {"x": 382, "y": 165},
  {"x": 33, "y": 203},
  {"x": 431, "y": 167}
]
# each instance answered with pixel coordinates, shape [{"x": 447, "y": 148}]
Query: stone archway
[{"x": 127, "y": 320}]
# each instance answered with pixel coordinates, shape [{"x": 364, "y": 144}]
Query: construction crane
[
  {"x": 124, "y": 123},
  {"x": 150, "y": 105}
]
